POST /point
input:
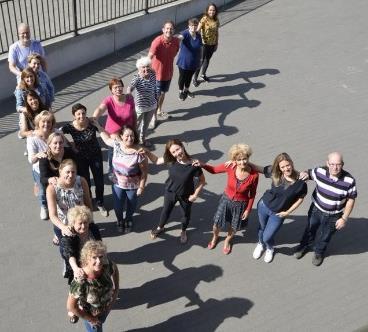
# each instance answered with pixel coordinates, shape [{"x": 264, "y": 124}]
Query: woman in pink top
[{"x": 120, "y": 111}]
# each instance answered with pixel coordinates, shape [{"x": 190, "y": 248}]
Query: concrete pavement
[{"x": 288, "y": 76}]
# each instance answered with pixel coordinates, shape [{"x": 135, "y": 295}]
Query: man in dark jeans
[{"x": 332, "y": 202}]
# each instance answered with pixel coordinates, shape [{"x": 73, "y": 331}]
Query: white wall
[{"x": 73, "y": 52}]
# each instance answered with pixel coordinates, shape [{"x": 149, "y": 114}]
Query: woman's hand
[
  {"x": 94, "y": 321},
  {"x": 52, "y": 180},
  {"x": 197, "y": 163},
  {"x": 79, "y": 274},
  {"x": 141, "y": 151},
  {"x": 140, "y": 191},
  {"x": 192, "y": 198},
  {"x": 66, "y": 230},
  {"x": 282, "y": 214},
  {"x": 40, "y": 155},
  {"x": 230, "y": 164},
  {"x": 303, "y": 176},
  {"x": 245, "y": 215}
]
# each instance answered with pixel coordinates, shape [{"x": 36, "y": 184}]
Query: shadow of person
[
  {"x": 245, "y": 75},
  {"x": 205, "y": 135},
  {"x": 221, "y": 107},
  {"x": 207, "y": 318},
  {"x": 165, "y": 289},
  {"x": 228, "y": 91}
]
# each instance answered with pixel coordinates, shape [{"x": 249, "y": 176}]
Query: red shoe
[{"x": 227, "y": 250}]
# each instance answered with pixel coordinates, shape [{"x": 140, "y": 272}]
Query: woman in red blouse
[{"x": 238, "y": 197}]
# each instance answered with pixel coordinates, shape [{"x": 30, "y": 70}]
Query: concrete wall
[{"x": 70, "y": 53}]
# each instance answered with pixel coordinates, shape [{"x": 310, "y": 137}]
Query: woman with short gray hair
[{"x": 146, "y": 96}]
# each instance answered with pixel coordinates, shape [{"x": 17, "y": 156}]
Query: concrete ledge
[{"x": 73, "y": 52}]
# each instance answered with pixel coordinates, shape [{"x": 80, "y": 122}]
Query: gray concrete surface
[{"x": 288, "y": 76}]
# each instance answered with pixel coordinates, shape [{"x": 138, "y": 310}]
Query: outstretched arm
[{"x": 201, "y": 184}]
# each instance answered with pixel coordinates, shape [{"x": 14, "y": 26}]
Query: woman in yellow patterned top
[{"x": 209, "y": 28}]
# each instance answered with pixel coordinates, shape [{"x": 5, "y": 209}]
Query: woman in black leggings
[
  {"x": 179, "y": 185},
  {"x": 209, "y": 28}
]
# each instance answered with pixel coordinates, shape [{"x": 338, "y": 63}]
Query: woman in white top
[{"x": 36, "y": 149}]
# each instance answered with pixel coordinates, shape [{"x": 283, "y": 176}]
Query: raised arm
[
  {"x": 104, "y": 135},
  {"x": 101, "y": 109},
  {"x": 154, "y": 159}
]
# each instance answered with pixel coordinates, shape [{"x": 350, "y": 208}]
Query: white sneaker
[
  {"x": 268, "y": 255},
  {"x": 44, "y": 213},
  {"x": 258, "y": 251}
]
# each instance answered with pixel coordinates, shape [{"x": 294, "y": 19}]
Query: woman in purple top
[
  {"x": 189, "y": 57},
  {"x": 120, "y": 111},
  {"x": 129, "y": 174}
]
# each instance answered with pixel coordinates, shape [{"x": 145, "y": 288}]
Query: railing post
[
  {"x": 75, "y": 22},
  {"x": 146, "y": 6}
]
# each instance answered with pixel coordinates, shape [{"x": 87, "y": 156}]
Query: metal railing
[{"x": 49, "y": 19}]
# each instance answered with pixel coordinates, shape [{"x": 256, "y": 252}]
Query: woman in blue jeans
[
  {"x": 129, "y": 173},
  {"x": 286, "y": 194}
]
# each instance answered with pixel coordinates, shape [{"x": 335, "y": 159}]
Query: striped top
[
  {"x": 146, "y": 94},
  {"x": 331, "y": 195}
]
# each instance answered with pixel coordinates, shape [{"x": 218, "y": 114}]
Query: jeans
[
  {"x": 95, "y": 328},
  {"x": 269, "y": 224},
  {"x": 96, "y": 167},
  {"x": 170, "y": 200},
  {"x": 41, "y": 189},
  {"x": 119, "y": 197},
  {"x": 326, "y": 225}
]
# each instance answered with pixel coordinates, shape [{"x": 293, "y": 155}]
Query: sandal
[
  {"x": 73, "y": 319},
  {"x": 211, "y": 245},
  {"x": 156, "y": 232},
  {"x": 227, "y": 250}
]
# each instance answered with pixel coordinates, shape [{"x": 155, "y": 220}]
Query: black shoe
[
  {"x": 317, "y": 259},
  {"x": 156, "y": 232},
  {"x": 120, "y": 226},
  {"x": 300, "y": 252},
  {"x": 195, "y": 83},
  {"x": 189, "y": 94},
  {"x": 182, "y": 96},
  {"x": 73, "y": 319},
  {"x": 128, "y": 226},
  {"x": 205, "y": 78}
]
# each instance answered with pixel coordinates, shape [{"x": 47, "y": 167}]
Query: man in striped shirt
[{"x": 332, "y": 202}]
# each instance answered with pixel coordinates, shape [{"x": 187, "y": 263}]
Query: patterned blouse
[
  {"x": 85, "y": 140},
  {"x": 127, "y": 173},
  {"x": 95, "y": 295},
  {"x": 209, "y": 30},
  {"x": 68, "y": 198}
]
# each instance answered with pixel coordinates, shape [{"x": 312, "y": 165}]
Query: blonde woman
[
  {"x": 238, "y": 197},
  {"x": 286, "y": 194},
  {"x": 92, "y": 298}
]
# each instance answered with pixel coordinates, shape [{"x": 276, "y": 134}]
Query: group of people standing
[{"x": 61, "y": 168}]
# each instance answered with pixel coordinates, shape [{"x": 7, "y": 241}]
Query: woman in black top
[
  {"x": 83, "y": 133},
  {"x": 179, "y": 185},
  {"x": 286, "y": 194}
]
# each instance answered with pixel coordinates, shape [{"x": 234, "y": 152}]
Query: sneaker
[
  {"x": 128, "y": 226},
  {"x": 163, "y": 116},
  {"x": 190, "y": 94},
  {"x": 120, "y": 226},
  {"x": 317, "y": 259},
  {"x": 258, "y": 251},
  {"x": 195, "y": 83},
  {"x": 300, "y": 252},
  {"x": 183, "y": 237},
  {"x": 205, "y": 78},
  {"x": 182, "y": 96},
  {"x": 269, "y": 255},
  {"x": 25, "y": 153},
  {"x": 153, "y": 123},
  {"x": 103, "y": 211},
  {"x": 44, "y": 213}
]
